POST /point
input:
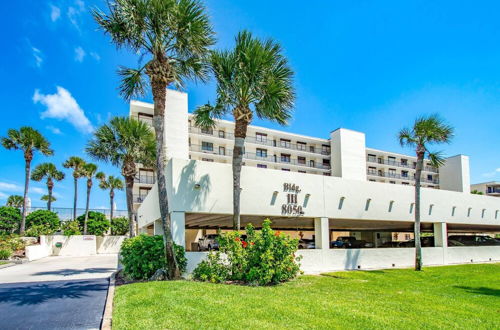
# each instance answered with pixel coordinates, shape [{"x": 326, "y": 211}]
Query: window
[
  {"x": 326, "y": 162},
  {"x": 404, "y": 174},
  {"x": 285, "y": 143},
  {"x": 372, "y": 180},
  {"x": 429, "y": 177},
  {"x": 301, "y": 145},
  {"x": 312, "y": 163},
  {"x": 392, "y": 172},
  {"x": 207, "y": 146},
  {"x": 208, "y": 131},
  {"x": 392, "y": 160},
  {"x": 222, "y": 151},
  {"x": 222, "y": 134},
  {"x": 407, "y": 237},
  {"x": 393, "y": 182},
  {"x": 301, "y": 160},
  {"x": 261, "y": 137},
  {"x": 404, "y": 162},
  {"x": 285, "y": 158},
  {"x": 285, "y": 169},
  {"x": 372, "y": 170},
  {"x": 372, "y": 158},
  {"x": 261, "y": 166},
  {"x": 207, "y": 160},
  {"x": 261, "y": 153},
  {"x": 311, "y": 149},
  {"x": 145, "y": 117},
  {"x": 325, "y": 149}
]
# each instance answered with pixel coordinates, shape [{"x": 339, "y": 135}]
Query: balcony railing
[
  {"x": 262, "y": 141},
  {"x": 147, "y": 179},
  {"x": 410, "y": 177},
  {"x": 139, "y": 198},
  {"x": 399, "y": 164},
  {"x": 253, "y": 156}
]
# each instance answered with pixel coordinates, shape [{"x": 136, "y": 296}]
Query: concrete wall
[
  {"x": 348, "y": 154},
  {"x": 109, "y": 244},
  {"x": 318, "y": 261},
  {"x": 176, "y": 125},
  {"x": 454, "y": 174}
]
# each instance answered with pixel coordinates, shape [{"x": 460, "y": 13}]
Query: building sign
[{"x": 291, "y": 206}]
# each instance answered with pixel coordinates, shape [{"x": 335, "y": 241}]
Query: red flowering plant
[{"x": 263, "y": 257}]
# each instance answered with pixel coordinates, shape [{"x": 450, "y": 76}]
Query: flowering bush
[{"x": 262, "y": 258}]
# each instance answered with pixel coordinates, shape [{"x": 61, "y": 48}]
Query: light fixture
[
  {"x": 197, "y": 186},
  {"x": 308, "y": 195}
]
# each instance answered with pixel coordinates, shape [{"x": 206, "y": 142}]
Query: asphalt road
[{"x": 55, "y": 293}]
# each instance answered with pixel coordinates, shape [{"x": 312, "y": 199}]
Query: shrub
[
  {"x": 143, "y": 255},
  {"x": 265, "y": 257},
  {"x": 11, "y": 242},
  {"x": 97, "y": 224},
  {"x": 10, "y": 218},
  {"x": 119, "y": 226},
  {"x": 70, "y": 228},
  {"x": 42, "y": 222},
  {"x": 5, "y": 253}
]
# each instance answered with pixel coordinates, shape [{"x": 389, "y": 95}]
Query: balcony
[
  {"x": 399, "y": 164},
  {"x": 147, "y": 179},
  {"x": 260, "y": 141},
  {"x": 493, "y": 190},
  {"x": 139, "y": 198},
  {"x": 410, "y": 177},
  {"x": 253, "y": 156}
]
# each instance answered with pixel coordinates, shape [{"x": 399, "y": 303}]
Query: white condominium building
[{"x": 491, "y": 188}]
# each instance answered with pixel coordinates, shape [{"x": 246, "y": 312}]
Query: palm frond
[
  {"x": 436, "y": 158},
  {"x": 133, "y": 82}
]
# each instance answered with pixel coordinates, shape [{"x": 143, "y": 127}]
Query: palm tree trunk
[
  {"x": 111, "y": 199},
  {"x": 159, "y": 88},
  {"x": 89, "y": 187},
  {"x": 75, "y": 198},
  {"x": 418, "y": 173},
  {"x": 129, "y": 182},
  {"x": 27, "y": 170},
  {"x": 240, "y": 133},
  {"x": 50, "y": 186}
]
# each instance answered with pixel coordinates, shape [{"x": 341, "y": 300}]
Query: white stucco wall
[
  {"x": 176, "y": 127},
  {"x": 348, "y": 154},
  {"x": 454, "y": 174},
  {"x": 109, "y": 244}
]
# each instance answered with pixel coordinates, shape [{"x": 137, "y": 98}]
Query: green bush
[
  {"x": 10, "y": 218},
  {"x": 143, "y": 255},
  {"x": 42, "y": 222},
  {"x": 5, "y": 253},
  {"x": 11, "y": 242},
  {"x": 70, "y": 228},
  {"x": 265, "y": 257},
  {"x": 119, "y": 226},
  {"x": 97, "y": 224}
]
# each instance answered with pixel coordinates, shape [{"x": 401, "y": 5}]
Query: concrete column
[
  {"x": 454, "y": 175},
  {"x": 158, "y": 227},
  {"x": 440, "y": 234},
  {"x": 178, "y": 228},
  {"x": 348, "y": 154},
  {"x": 322, "y": 233}
]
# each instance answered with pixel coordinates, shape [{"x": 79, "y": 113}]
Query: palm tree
[
  {"x": 253, "y": 78},
  {"x": 49, "y": 199},
  {"x": 175, "y": 36},
  {"x": 28, "y": 140},
  {"x": 76, "y": 163},
  {"x": 89, "y": 171},
  {"x": 426, "y": 130},
  {"x": 15, "y": 201},
  {"x": 51, "y": 173},
  {"x": 124, "y": 142},
  {"x": 110, "y": 183}
]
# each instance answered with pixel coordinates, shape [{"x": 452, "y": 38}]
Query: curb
[
  {"x": 108, "y": 308},
  {"x": 10, "y": 264}
]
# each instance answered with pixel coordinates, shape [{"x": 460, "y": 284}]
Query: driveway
[{"x": 55, "y": 293}]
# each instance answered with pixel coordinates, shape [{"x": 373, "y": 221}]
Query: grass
[
  {"x": 3, "y": 262},
  {"x": 459, "y": 297}
]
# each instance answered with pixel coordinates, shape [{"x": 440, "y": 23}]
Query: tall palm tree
[
  {"x": 15, "y": 201},
  {"x": 51, "y": 173},
  {"x": 76, "y": 163},
  {"x": 426, "y": 130},
  {"x": 49, "y": 199},
  {"x": 28, "y": 140},
  {"x": 112, "y": 183},
  {"x": 89, "y": 171},
  {"x": 124, "y": 142},
  {"x": 253, "y": 78},
  {"x": 174, "y": 35}
]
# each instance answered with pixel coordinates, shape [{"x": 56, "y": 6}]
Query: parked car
[
  {"x": 350, "y": 242},
  {"x": 424, "y": 241},
  {"x": 208, "y": 242},
  {"x": 307, "y": 244},
  {"x": 475, "y": 240}
]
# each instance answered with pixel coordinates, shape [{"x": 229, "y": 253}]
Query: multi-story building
[{"x": 491, "y": 188}]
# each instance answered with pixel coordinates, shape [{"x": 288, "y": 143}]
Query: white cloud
[
  {"x": 95, "y": 56},
  {"x": 63, "y": 106},
  {"x": 38, "y": 190},
  {"x": 55, "y": 13},
  {"x": 54, "y": 130},
  {"x": 10, "y": 187},
  {"x": 79, "y": 54},
  {"x": 3, "y": 196},
  {"x": 492, "y": 173},
  {"x": 74, "y": 13},
  {"x": 37, "y": 54}
]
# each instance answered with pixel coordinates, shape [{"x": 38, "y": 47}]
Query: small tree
[
  {"x": 97, "y": 224},
  {"x": 112, "y": 184},
  {"x": 119, "y": 226},
  {"x": 76, "y": 163},
  {"x": 15, "y": 201},
  {"x": 28, "y": 140},
  {"x": 426, "y": 130},
  {"x": 47, "y": 222},
  {"x": 89, "y": 171},
  {"x": 51, "y": 173}
]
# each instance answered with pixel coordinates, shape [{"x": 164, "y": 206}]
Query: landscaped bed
[{"x": 465, "y": 297}]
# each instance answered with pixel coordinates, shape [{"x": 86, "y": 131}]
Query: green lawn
[{"x": 460, "y": 297}]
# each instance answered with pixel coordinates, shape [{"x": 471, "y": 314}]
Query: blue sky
[{"x": 370, "y": 66}]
